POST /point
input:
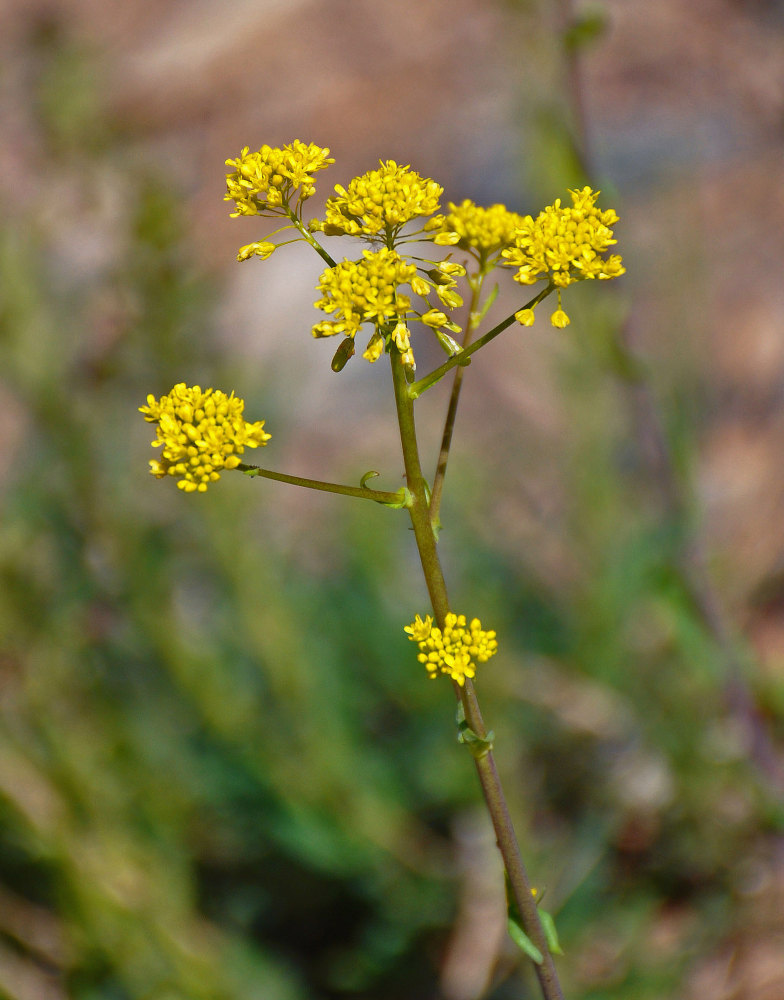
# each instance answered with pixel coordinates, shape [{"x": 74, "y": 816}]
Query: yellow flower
[
  {"x": 454, "y": 650},
  {"x": 560, "y": 319},
  {"x": 449, "y": 269},
  {"x": 418, "y": 629},
  {"x": 450, "y": 298},
  {"x": 525, "y": 317},
  {"x": 420, "y": 287},
  {"x": 200, "y": 434},
  {"x": 436, "y": 318},
  {"x": 379, "y": 203},
  {"x": 447, "y": 239},
  {"x": 565, "y": 244},
  {"x": 375, "y": 348},
  {"x": 262, "y": 249},
  {"x": 264, "y": 181},
  {"x": 366, "y": 291},
  {"x": 482, "y": 230},
  {"x": 402, "y": 337}
]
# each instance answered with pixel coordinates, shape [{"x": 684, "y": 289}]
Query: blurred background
[{"x": 222, "y": 773}]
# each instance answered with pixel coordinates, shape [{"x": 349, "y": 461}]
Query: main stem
[{"x": 485, "y": 764}]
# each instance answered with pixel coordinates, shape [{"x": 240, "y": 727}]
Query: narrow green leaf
[
  {"x": 367, "y": 477},
  {"x": 488, "y": 302},
  {"x": 523, "y": 942},
  {"x": 548, "y": 925}
]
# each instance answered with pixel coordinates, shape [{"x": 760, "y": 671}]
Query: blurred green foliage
[{"x": 221, "y": 774}]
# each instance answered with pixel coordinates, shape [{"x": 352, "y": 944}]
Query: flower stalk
[{"x": 401, "y": 498}]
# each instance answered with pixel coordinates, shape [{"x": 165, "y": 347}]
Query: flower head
[
  {"x": 484, "y": 231},
  {"x": 366, "y": 291},
  {"x": 454, "y": 650},
  {"x": 566, "y": 245},
  {"x": 379, "y": 203},
  {"x": 200, "y": 434},
  {"x": 264, "y": 181}
]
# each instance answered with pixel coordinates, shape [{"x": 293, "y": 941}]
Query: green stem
[
  {"x": 310, "y": 238},
  {"x": 419, "y": 510},
  {"x": 506, "y": 839},
  {"x": 454, "y": 399},
  {"x": 399, "y": 499},
  {"x": 416, "y": 389}
]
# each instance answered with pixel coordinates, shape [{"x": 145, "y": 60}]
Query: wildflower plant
[{"x": 417, "y": 271}]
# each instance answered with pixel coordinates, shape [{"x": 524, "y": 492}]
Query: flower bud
[{"x": 343, "y": 355}]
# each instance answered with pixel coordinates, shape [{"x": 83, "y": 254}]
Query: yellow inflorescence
[
  {"x": 566, "y": 245},
  {"x": 562, "y": 244},
  {"x": 456, "y": 650},
  {"x": 483, "y": 230},
  {"x": 367, "y": 291},
  {"x": 200, "y": 433},
  {"x": 268, "y": 178},
  {"x": 380, "y": 203}
]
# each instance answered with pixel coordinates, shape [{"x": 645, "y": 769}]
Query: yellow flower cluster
[
  {"x": 454, "y": 650},
  {"x": 200, "y": 434},
  {"x": 367, "y": 291},
  {"x": 380, "y": 203},
  {"x": 484, "y": 231},
  {"x": 264, "y": 181},
  {"x": 565, "y": 244}
]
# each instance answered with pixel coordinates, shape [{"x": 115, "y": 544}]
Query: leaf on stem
[
  {"x": 523, "y": 942},
  {"x": 487, "y": 303},
  {"x": 406, "y": 499},
  {"x": 548, "y": 925},
  {"x": 479, "y": 746}
]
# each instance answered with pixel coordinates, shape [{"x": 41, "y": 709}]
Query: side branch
[
  {"x": 454, "y": 399},
  {"x": 309, "y": 238},
  {"x": 402, "y": 498},
  {"x": 416, "y": 389}
]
